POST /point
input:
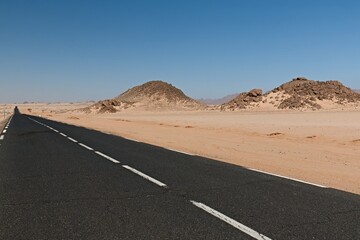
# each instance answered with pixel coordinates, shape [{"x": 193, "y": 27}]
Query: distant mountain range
[
  {"x": 356, "y": 90},
  {"x": 218, "y": 101}
]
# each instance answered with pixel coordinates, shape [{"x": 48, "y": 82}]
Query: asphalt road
[{"x": 59, "y": 181}]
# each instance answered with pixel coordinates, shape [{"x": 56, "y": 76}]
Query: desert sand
[
  {"x": 2, "y": 124},
  {"x": 321, "y": 147}
]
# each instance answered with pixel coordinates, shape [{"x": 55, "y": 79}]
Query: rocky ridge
[
  {"x": 298, "y": 94},
  {"x": 304, "y": 93}
]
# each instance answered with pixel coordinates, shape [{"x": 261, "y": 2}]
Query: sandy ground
[
  {"x": 322, "y": 147},
  {"x": 3, "y": 121}
]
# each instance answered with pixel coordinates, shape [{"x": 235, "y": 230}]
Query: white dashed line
[
  {"x": 289, "y": 178},
  {"x": 202, "y": 206},
  {"x": 73, "y": 140},
  {"x": 143, "y": 175},
  {"x": 107, "y": 157},
  {"x": 231, "y": 221},
  {"x": 5, "y": 129},
  {"x": 153, "y": 180},
  {"x": 87, "y": 147}
]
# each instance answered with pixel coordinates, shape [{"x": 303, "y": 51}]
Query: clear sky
[{"x": 73, "y": 50}]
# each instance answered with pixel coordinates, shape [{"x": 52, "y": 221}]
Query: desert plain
[{"x": 321, "y": 147}]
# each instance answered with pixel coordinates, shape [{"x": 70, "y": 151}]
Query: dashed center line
[
  {"x": 202, "y": 206},
  {"x": 2, "y": 137},
  {"x": 231, "y": 221},
  {"x": 107, "y": 157},
  {"x": 145, "y": 176},
  {"x": 73, "y": 140},
  {"x": 85, "y": 146}
]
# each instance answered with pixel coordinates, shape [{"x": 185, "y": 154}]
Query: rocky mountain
[{"x": 151, "y": 96}]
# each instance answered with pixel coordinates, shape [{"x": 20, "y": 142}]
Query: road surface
[{"x": 59, "y": 181}]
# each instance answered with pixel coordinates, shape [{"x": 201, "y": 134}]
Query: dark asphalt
[{"x": 52, "y": 188}]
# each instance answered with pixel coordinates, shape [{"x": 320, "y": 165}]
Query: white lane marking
[
  {"x": 55, "y": 130},
  {"x": 107, "y": 157},
  {"x": 4, "y": 131},
  {"x": 71, "y": 139},
  {"x": 2, "y": 137},
  {"x": 62, "y": 134},
  {"x": 87, "y": 147},
  {"x": 231, "y": 221},
  {"x": 293, "y": 179},
  {"x": 186, "y": 153},
  {"x": 153, "y": 180}
]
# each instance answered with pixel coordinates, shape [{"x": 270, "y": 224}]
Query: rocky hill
[
  {"x": 304, "y": 93},
  {"x": 298, "y": 94},
  {"x": 151, "y": 96},
  {"x": 155, "y": 91}
]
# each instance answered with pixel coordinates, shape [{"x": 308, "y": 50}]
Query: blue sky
[{"x": 73, "y": 50}]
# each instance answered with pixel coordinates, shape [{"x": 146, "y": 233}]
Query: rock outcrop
[
  {"x": 303, "y": 93},
  {"x": 243, "y": 100}
]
